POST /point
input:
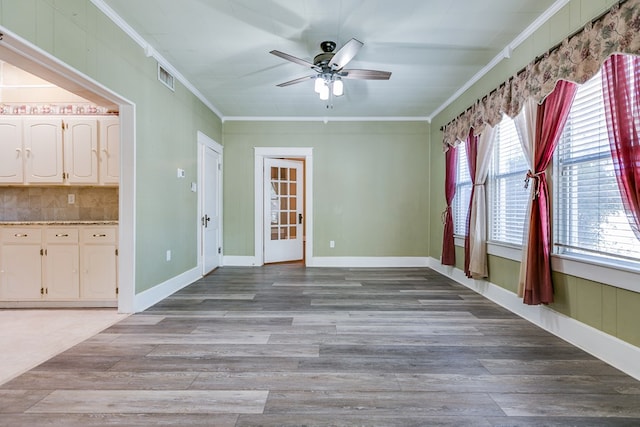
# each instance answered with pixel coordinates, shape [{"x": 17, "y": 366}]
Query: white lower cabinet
[
  {"x": 98, "y": 263},
  {"x": 61, "y": 275},
  {"x": 58, "y": 264},
  {"x": 20, "y": 264}
]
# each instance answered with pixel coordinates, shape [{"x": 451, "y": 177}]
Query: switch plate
[
  {"x": 332, "y": 244},
  {"x": 194, "y": 187},
  {"x": 181, "y": 173},
  {"x": 169, "y": 255},
  {"x": 71, "y": 199}
]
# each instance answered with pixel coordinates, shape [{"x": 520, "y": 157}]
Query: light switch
[{"x": 181, "y": 173}]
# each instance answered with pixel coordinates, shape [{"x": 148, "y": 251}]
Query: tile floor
[{"x": 29, "y": 337}]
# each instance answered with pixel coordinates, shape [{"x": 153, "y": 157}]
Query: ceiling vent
[{"x": 166, "y": 77}]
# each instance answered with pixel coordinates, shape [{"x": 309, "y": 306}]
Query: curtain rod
[{"x": 540, "y": 57}]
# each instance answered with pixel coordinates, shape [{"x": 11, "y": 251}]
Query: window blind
[
  {"x": 507, "y": 196},
  {"x": 463, "y": 193},
  {"x": 589, "y": 217}
]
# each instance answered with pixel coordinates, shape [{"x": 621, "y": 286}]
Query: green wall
[
  {"x": 79, "y": 34},
  {"x": 370, "y": 185},
  {"x": 607, "y": 308}
]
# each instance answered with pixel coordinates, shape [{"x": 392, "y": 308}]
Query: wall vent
[{"x": 166, "y": 77}]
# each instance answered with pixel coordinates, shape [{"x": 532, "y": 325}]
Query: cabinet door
[
  {"x": 110, "y": 150},
  {"x": 11, "y": 164},
  {"x": 98, "y": 281},
  {"x": 43, "y": 150},
  {"x": 61, "y": 264},
  {"x": 81, "y": 151},
  {"x": 20, "y": 264}
]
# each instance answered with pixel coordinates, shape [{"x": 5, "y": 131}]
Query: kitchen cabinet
[
  {"x": 43, "y": 150},
  {"x": 98, "y": 263},
  {"x": 64, "y": 150},
  {"x": 61, "y": 275},
  {"x": 109, "y": 136},
  {"x": 50, "y": 264},
  {"x": 11, "y": 151},
  {"x": 20, "y": 264},
  {"x": 80, "y": 151}
]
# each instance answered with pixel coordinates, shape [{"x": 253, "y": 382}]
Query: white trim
[
  {"x": 203, "y": 142},
  {"x": 323, "y": 119},
  {"x": 239, "y": 261},
  {"x": 614, "y": 351},
  {"x": 370, "y": 262},
  {"x": 260, "y": 153},
  {"x": 504, "y": 54},
  {"x": 146, "y": 299},
  {"x": 32, "y": 54}
]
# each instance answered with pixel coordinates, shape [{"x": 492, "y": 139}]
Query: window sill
[{"x": 600, "y": 272}]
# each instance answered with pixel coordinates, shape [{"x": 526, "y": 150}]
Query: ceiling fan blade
[
  {"x": 345, "y": 54},
  {"x": 294, "y": 59},
  {"x": 365, "y": 74},
  {"x": 292, "y": 82}
]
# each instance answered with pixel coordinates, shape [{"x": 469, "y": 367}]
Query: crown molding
[{"x": 150, "y": 51}]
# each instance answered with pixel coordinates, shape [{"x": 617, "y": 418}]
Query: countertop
[{"x": 52, "y": 222}]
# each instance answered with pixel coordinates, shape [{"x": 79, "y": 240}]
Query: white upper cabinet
[
  {"x": 11, "y": 151},
  {"x": 43, "y": 150},
  {"x": 62, "y": 150},
  {"x": 81, "y": 151},
  {"x": 109, "y": 150}
]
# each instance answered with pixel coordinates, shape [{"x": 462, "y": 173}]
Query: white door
[
  {"x": 283, "y": 207},
  {"x": 210, "y": 210}
]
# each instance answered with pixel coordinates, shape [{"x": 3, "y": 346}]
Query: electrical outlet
[
  {"x": 168, "y": 255},
  {"x": 332, "y": 244},
  {"x": 71, "y": 199}
]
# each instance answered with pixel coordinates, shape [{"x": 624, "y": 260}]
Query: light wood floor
[{"x": 286, "y": 345}]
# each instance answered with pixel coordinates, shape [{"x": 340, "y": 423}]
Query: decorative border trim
[
  {"x": 146, "y": 299},
  {"x": 371, "y": 262},
  {"x": 614, "y": 351}
]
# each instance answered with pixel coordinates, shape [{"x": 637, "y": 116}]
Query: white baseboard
[
  {"x": 239, "y": 261},
  {"x": 146, "y": 299},
  {"x": 371, "y": 262},
  {"x": 614, "y": 351}
]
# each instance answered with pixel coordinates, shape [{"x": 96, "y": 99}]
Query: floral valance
[{"x": 577, "y": 59}]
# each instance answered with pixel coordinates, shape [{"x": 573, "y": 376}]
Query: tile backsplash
[{"x": 52, "y": 204}]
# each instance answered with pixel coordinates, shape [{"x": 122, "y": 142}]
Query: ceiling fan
[{"x": 328, "y": 67}]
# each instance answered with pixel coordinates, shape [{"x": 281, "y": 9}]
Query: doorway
[
  {"x": 24, "y": 55},
  {"x": 263, "y": 199},
  {"x": 210, "y": 203}
]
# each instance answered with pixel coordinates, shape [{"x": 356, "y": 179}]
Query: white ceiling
[{"x": 432, "y": 47}]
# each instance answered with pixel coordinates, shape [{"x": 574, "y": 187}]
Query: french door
[{"x": 283, "y": 210}]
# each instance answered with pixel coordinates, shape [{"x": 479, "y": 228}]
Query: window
[
  {"x": 507, "y": 197},
  {"x": 589, "y": 218},
  {"x": 463, "y": 192}
]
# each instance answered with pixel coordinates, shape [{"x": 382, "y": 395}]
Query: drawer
[
  {"x": 98, "y": 235},
  {"x": 62, "y": 235},
  {"x": 21, "y": 235}
]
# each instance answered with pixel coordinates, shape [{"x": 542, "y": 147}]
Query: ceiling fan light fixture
[
  {"x": 319, "y": 82},
  {"x": 324, "y": 92},
  {"x": 338, "y": 87}
]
